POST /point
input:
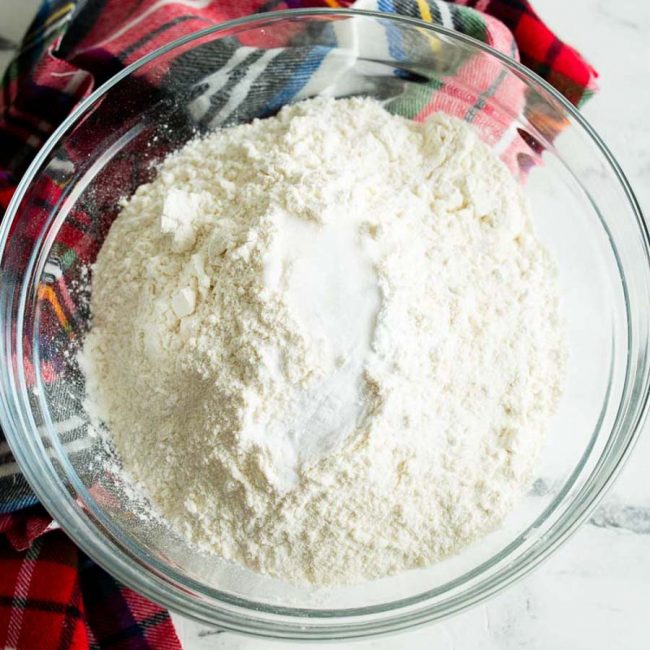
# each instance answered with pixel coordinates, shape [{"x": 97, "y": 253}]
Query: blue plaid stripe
[
  {"x": 15, "y": 493},
  {"x": 300, "y": 77}
]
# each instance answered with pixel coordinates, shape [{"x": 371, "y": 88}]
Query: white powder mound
[{"x": 327, "y": 343}]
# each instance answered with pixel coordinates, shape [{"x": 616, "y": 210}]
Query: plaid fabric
[
  {"x": 53, "y": 596},
  {"x": 541, "y": 50},
  {"x": 40, "y": 595},
  {"x": 75, "y": 46}
]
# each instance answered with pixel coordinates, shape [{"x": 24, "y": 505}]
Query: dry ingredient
[{"x": 327, "y": 343}]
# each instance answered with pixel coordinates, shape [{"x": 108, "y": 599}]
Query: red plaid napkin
[{"x": 51, "y": 594}]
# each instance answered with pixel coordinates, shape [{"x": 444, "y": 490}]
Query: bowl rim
[{"x": 116, "y": 561}]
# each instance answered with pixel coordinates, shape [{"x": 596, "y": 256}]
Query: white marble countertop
[{"x": 594, "y": 593}]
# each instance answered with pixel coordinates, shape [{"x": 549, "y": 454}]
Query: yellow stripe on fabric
[
  {"x": 425, "y": 14},
  {"x": 60, "y": 14},
  {"x": 46, "y": 293},
  {"x": 425, "y": 11},
  {"x": 57, "y": 14},
  {"x": 332, "y": 3}
]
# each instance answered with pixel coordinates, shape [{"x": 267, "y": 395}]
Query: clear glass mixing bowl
[{"x": 584, "y": 211}]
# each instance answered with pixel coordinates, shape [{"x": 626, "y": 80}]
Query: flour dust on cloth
[{"x": 327, "y": 343}]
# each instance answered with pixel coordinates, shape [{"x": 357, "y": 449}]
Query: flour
[{"x": 327, "y": 343}]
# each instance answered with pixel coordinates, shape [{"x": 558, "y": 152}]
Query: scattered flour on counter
[{"x": 327, "y": 343}]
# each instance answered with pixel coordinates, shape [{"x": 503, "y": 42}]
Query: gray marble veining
[{"x": 627, "y": 517}]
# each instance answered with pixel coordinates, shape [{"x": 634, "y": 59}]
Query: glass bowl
[{"x": 585, "y": 213}]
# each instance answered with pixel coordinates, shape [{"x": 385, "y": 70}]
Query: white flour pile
[{"x": 327, "y": 343}]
